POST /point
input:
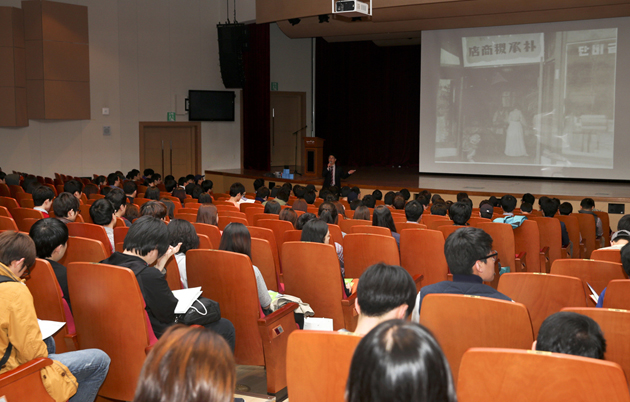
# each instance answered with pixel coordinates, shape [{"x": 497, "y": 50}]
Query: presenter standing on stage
[{"x": 333, "y": 174}]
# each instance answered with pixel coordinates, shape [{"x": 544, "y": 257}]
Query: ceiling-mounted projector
[{"x": 351, "y": 8}]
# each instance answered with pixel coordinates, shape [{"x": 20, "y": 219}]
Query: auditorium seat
[
  {"x": 474, "y": 220},
  {"x": 588, "y": 232},
  {"x": 422, "y": 253},
  {"x": 227, "y": 207},
  {"x": 503, "y": 242},
  {"x": 213, "y": 233},
  {"x": 85, "y": 212},
  {"x": 4, "y": 190},
  {"x": 447, "y": 230},
  {"x": 527, "y": 240},
  {"x": 335, "y": 233},
  {"x": 603, "y": 216},
  {"x": 292, "y": 235},
  {"x": 542, "y": 294},
  {"x": 226, "y": 220},
  {"x": 192, "y": 218},
  {"x": 188, "y": 211},
  {"x": 550, "y": 233},
  {"x": 19, "y": 214},
  {"x": 618, "y": 294},
  {"x": 24, "y": 383},
  {"x": 258, "y": 217},
  {"x": 361, "y": 250},
  {"x": 252, "y": 210},
  {"x": 83, "y": 249},
  {"x": 7, "y": 223},
  {"x": 267, "y": 234},
  {"x": 426, "y": 219},
  {"x": 611, "y": 255},
  {"x": 262, "y": 257},
  {"x": 400, "y": 226},
  {"x": 434, "y": 225},
  {"x": 91, "y": 231},
  {"x": 379, "y": 230},
  {"x": 278, "y": 227},
  {"x": 120, "y": 233},
  {"x": 460, "y": 322},
  {"x": 205, "y": 243},
  {"x": 347, "y": 224},
  {"x": 9, "y": 203},
  {"x": 27, "y": 223},
  {"x": 244, "y": 206},
  {"x": 522, "y": 375},
  {"x": 172, "y": 274},
  {"x": 232, "y": 214}
]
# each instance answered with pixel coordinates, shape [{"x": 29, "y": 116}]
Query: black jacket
[{"x": 340, "y": 174}]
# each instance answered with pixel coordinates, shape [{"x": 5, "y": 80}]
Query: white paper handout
[
  {"x": 319, "y": 324},
  {"x": 49, "y": 328},
  {"x": 593, "y": 294},
  {"x": 186, "y": 297}
]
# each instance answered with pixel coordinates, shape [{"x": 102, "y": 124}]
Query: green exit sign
[
  {"x": 170, "y": 116},
  {"x": 274, "y": 86}
]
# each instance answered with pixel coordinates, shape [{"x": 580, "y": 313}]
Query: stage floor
[{"x": 409, "y": 178}]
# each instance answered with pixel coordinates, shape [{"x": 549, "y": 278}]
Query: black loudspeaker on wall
[{"x": 233, "y": 40}]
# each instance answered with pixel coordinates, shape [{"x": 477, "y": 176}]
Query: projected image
[{"x": 545, "y": 99}]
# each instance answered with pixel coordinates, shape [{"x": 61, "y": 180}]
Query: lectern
[{"x": 313, "y": 156}]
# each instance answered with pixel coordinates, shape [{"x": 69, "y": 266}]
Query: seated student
[
  {"x": 310, "y": 197},
  {"x": 413, "y": 211},
  {"x": 3, "y": 177},
  {"x": 550, "y": 208},
  {"x": 197, "y": 191},
  {"x": 355, "y": 204},
  {"x": 435, "y": 198},
  {"x": 189, "y": 188},
  {"x": 180, "y": 194},
  {"x": 131, "y": 191},
  {"x": 362, "y": 213},
  {"x": 299, "y": 191},
  {"x": 624, "y": 223},
  {"x": 331, "y": 209},
  {"x": 300, "y": 205},
  {"x": 155, "y": 209},
  {"x": 288, "y": 214},
  {"x": 206, "y": 186},
  {"x": 182, "y": 232},
  {"x": 51, "y": 239},
  {"x": 439, "y": 208},
  {"x": 170, "y": 207},
  {"x": 385, "y": 292},
  {"x": 236, "y": 238},
  {"x": 43, "y": 197},
  {"x": 103, "y": 214},
  {"x": 133, "y": 175},
  {"x": 377, "y": 194},
  {"x": 147, "y": 243},
  {"x": 272, "y": 207},
  {"x": 187, "y": 364},
  {"x": 113, "y": 180},
  {"x": 132, "y": 212},
  {"x": 460, "y": 213},
  {"x": 316, "y": 231},
  {"x": 148, "y": 173},
  {"x": 383, "y": 217},
  {"x": 389, "y": 198},
  {"x": 618, "y": 239},
  {"x": 73, "y": 187},
  {"x": 424, "y": 202},
  {"x": 625, "y": 262},
  {"x": 341, "y": 210},
  {"x": 587, "y": 206},
  {"x": 405, "y": 194},
  {"x": 150, "y": 182},
  {"x": 170, "y": 185},
  {"x": 369, "y": 201},
  {"x": 190, "y": 179},
  {"x": 74, "y": 376},
  {"x": 508, "y": 203},
  {"x": 460, "y": 196},
  {"x": 572, "y": 334},
  {"x": 399, "y": 361},
  {"x": 486, "y": 211},
  {"x": 205, "y": 199},
  {"x": 282, "y": 197},
  {"x": 399, "y": 202},
  {"x": 152, "y": 193},
  {"x": 528, "y": 198},
  {"x": 66, "y": 207},
  {"x": 303, "y": 219},
  {"x": 471, "y": 260},
  {"x": 100, "y": 180},
  {"x": 262, "y": 194},
  {"x": 236, "y": 193},
  {"x": 526, "y": 208},
  {"x": 258, "y": 183},
  {"x": 119, "y": 201},
  {"x": 208, "y": 214}
]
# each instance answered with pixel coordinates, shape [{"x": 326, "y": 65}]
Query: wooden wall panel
[
  {"x": 35, "y": 99},
  {"x": 65, "y": 100},
  {"x": 64, "y": 61},
  {"x": 12, "y": 68},
  {"x": 64, "y": 22},
  {"x": 7, "y": 66}
]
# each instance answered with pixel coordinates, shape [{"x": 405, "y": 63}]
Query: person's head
[
  {"x": 527, "y": 197},
  {"x": 113, "y": 179},
  {"x": 625, "y": 258},
  {"x": 262, "y": 193},
  {"x": 189, "y": 188},
  {"x": 439, "y": 208},
  {"x": 624, "y": 223},
  {"x": 468, "y": 251},
  {"x": 170, "y": 207},
  {"x": 331, "y": 159},
  {"x": 461, "y": 196},
  {"x": 272, "y": 207},
  {"x": 208, "y": 214},
  {"x": 494, "y": 201},
  {"x": 413, "y": 211},
  {"x": 205, "y": 198},
  {"x": 170, "y": 185},
  {"x": 156, "y": 209},
  {"x": 152, "y": 193},
  {"x": 288, "y": 214},
  {"x": 377, "y": 194},
  {"x": 316, "y": 231},
  {"x": 565, "y": 208},
  {"x": 258, "y": 183},
  {"x": 102, "y": 212},
  {"x": 237, "y": 190},
  {"x": 206, "y": 186},
  {"x": 328, "y": 207},
  {"x": 130, "y": 189},
  {"x": 188, "y": 364},
  {"x": 17, "y": 252},
  {"x": 106, "y": 190},
  {"x": 43, "y": 197},
  {"x": 133, "y": 174},
  {"x": 389, "y": 198},
  {"x": 148, "y": 172},
  {"x": 382, "y": 217},
  {"x": 283, "y": 194},
  {"x": 526, "y": 207},
  {"x": 362, "y": 213},
  {"x": 405, "y": 194},
  {"x": 401, "y": 359},
  {"x": 384, "y": 288},
  {"x": 50, "y": 236},
  {"x": 180, "y": 193},
  {"x": 549, "y": 207},
  {"x": 300, "y": 205},
  {"x": 620, "y": 237},
  {"x": 399, "y": 202},
  {"x": 310, "y": 196},
  {"x": 119, "y": 200},
  {"x": 460, "y": 213},
  {"x": 486, "y": 211},
  {"x": 302, "y": 219},
  {"x": 190, "y": 178},
  {"x": 369, "y": 201},
  {"x": 100, "y": 180},
  {"x": 587, "y": 204},
  {"x": 236, "y": 238},
  {"x": 147, "y": 237},
  {"x": 73, "y": 187},
  {"x": 66, "y": 205},
  {"x": 572, "y": 334},
  {"x": 508, "y": 203},
  {"x": 197, "y": 191},
  {"x": 132, "y": 212},
  {"x": 182, "y": 231},
  {"x": 424, "y": 201}
]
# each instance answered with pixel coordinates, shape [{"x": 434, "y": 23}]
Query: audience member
[
  {"x": 399, "y": 202},
  {"x": 152, "y": 193},
  {"x": 299, "y": 191},
  {"x": 355, "y": 204},
  {"x": 362, "y": 213},
  {"x": 486, "y": 211},
  {"x": 288, "y": 214},
  {"x": 170, "y": 185},
  {"x": 310, "y": 197},
  {"x": 331, "y": 208},
  {"x": 389, "y": 198},
  {"x": 66, "y": 207},
  {"x": 526, "y": 208},
  {"x": 208, "y": 214},
  {"x": 155, "y": 209},
  {"x": 119, "y": 201},
  {"x": 73, "y": 187},
  {"x": 170, "y": 207},
  {"x": 180, "y": 194},
  {"x": 439, "y": 208},
  {"x": 300, "y": 205},
  {"x": 182, "y": 232},
  {"x": 132, "y": 212},
  {"x": 205, "y": 198},
  {"x": 258, "y": 183},
  {"x": 262, "y": 194},
  {"x": 113, "y": 180},
  {"x": 341, "y": 210},
  {"x": 272, "y": 207},
  {"x": 206, "y": 186},
  {"x": 406, "y": 195},
  {"x": 587, "y": 206},
  {"x": 377, "y": 194},
  {"x": 550, "y": 208},
  {"x": 303, "y": 219},
  {"x": 572, "y": 334},
  {"x": 461, "y": 196},
  {"x": 283, "y": 196},
  {"x": 460, "y": 213},
  {"x": 43, "y": 197},
  {"x": 236, "y": 193},
  {"x": 624, "y": 223},
  {"x": 625, "y": 262},
  {"x": 369, "y": 201},
  {"x": 565, "y": 208},
  {"x": 508, "y": 203},
  {"x": 131, "y": 191},
  {"x": 383, "y": 217},
  {"x": 102, "y": 214},
  {"x": 413, "y": 211}
]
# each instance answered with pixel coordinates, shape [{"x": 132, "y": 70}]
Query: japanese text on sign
[{"x": 503, "y": 49}]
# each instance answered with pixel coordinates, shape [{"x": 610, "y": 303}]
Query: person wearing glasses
[{"x": 471, "y": 260}]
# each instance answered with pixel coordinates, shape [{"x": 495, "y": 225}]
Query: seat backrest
[
  {"x": 527, "y": 239},
  {"x": 258, "y": 217},
  {"x": 434, "y": 225},
  {"x": 278, "y": 227},
  {"x": 120, "y": 233},
  {"x": 347, "y": 224},
  {"x": 543, "y": 294},
  {"x": 140, "y": 201},
  {"x": 550, "y": 233},
  {"x": 244, "y": 206},
  {"x": 591, "y": 272},
  {"x": 91, "y": 231},
  {"x": 187, "y": 217},
  {"x": 15, "y": 190},
  {"x": 425, "y": 219},
  {"x": 24, "y": 383},
  {"x": 292, "y": 235},
  {"x": 19, "y": 214},
  {"x": 503, "y": 242},
  {"x": 9, "y": 203},
  {"x": 188, "y": 211},
  {"x": 7, "y": 223},
  {"x": 83, "y": 249},
  {"x": 85, "y": 212},
  {"x": 235, "y": 214},
  {"x": 253, "y": 209},
  {"x": 101, "y": 294},
  {"x": 361, "y": 250},
  {"x": 573, "y": 229},
  {"x": 522, "y": 375},
  {"x": 408, "y": 225},
  {"x": 262, "y": 257},
  {"x": 588, "y": 232},
  {"x": 26, "y": 202},
  {"x": 226, "y": 220},
  {"x": 4, "y": 190},
  {"x": 311, "y": 272},
  {"x": 267, "y": 234},
  {"x": 315, "y": 358},
  {"x": 615, "y": 324},
  {"x": 230, "y": 282},
  {"x": 335, "y": 233},
  {"x": 618, "y": 294},
  {"x": 497, "y": 323},
  {"x": 371, "y": 229},
  {"x": 610, "y": 254},
  {"x": 474, "y": 220},
  {"x": 172, "y": 274},
  {"x": 447, "y": 230},
  {"x": 227, "y": 207},
  {"x": 422, "y": 252},
  {"x": 213, "y": 233},
  {"x": 47, "y": 298}
]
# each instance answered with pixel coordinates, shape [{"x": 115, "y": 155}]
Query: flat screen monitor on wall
[{"x": 211, "y": 105}]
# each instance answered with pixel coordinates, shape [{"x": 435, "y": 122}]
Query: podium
[{"x": 313, "y": 156}]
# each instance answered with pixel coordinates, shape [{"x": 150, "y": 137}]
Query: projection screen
[{"x": 540, "y": 100}]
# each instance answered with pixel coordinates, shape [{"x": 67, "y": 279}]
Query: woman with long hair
[
  {"x": 316, "y": 231},
  {"x": 208, "y": 214},
  {"x": 182, "y": 231},
  {"x": 382, "y": 217}
]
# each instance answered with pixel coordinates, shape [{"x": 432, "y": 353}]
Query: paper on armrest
[
  {"x": 319, "y": 324},
  {"x": 593, "y": 294},
  {"x": 185, "y": 298},
  {"x": 49, "y": 328}
]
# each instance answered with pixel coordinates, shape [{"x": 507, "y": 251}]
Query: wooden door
[
  {"x": 171, "y": 148},
  {"x": 288, "y": 115}
]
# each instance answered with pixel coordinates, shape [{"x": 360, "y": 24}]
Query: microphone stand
[{"x": 295, "y": 171}]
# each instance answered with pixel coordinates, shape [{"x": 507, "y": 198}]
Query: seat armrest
[
  {"x": 545, "y": 252},
  {"x": 564, "y": 252},
  {"x": 350, "y": 314},
  {"x": 520, "y": 261},
  {"x": 148, "y": 349},
  {"x": 25, "y": 370},
  {"x": 418, "y": 281},
  {"x": 72, "y": 340},
  {"x": 277, "y": 315}
]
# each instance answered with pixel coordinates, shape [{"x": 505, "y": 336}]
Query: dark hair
[
  {"x": 152, "y": 193},
  {"x": 197, "y": 191},
  {"x": 549, "y": 207},
  {"x": 205, "y": 198},
  {"x": 156, "y": 209},
  {"x": 132, "y": 174},
  {"x": 41, "y": 194},
  {"x": 258, "y": 183},
  {"x": 341, "y": 210},
  {"x": 180, "y": 193},
  {"x": 461, "y": 196},
  {"x": 331, "y": 208},
  {"x": 300, "y": 205},
  {"x": 345, "y": 190},
  {"x": 117, "y": 197},
  {"x": 326, "y": 216},
  {"x": 587, "y": 203},
  {"x": 132, "y": 212},
  {"x": 102, "y": 212},
  {"x": 573, "y": 334},
  {"x": 129, "y": 187},
  {"x": 170, "y": 207},
  {"x": 190, "y": 177},
  {"x": 369, "y": 201},
  {"x": 48, "y": 234},
  {"x": 147, "y": 234},
  {"x": 625, "y": 258},
  {"x": 189, "y": 188},
  {"x": 382, "y": 217},
  {"x": 14, "y": 246},
  {"x": 182, "y": 231},
  {"x": 624, "y": 223},
  {"x": 405, "y": 194},
  {"x": 64, "y": 203},
  {"x": 399, "y": 202},
  {"x": 106, "y": 190},
  {"x": 566, "y": 209},
  {"x": 262, "y": 192},
  {"x": 283, "y": 194},
  {"x": 236, "y": 238},
  {"x": 169, "y": 185},
  {"x": 439, "y": 208},
  {"x": 413, "y": 211},
  {"x": 299, "y": 191},
  {"x": 384, "y": 287},
  {"x": 314, "y": 231},
  {"x": 356, "y": 204},
  {"x": 527, "y": 197},
  {"x": 206, "y": 185},
  {"x": 272, "y": 207},
  {"x": 236, "y": 189},
  {"x": 377, "y": 194},
  {"x": 399, "y": 361},
  {"x": 148, "y": 172},
  {"x": 460, "y": 213},
  {"x": 310, "y": 196},
  {"x": 207, "y": 214},
  {"x": 464, "y": 247},
  {"x": 73, "y": 186},
  {"x": 99, "y": 180},
  {"x": 389, "y": 198},
  {"x": 436, "y": 198},
  {"x": 112, "y": 178},
  {"x": 526, "y": 207},
  {"x": 302, "y": 219},
  {"x": 508, "y": 203},
  {"x": 288, "y": 214},
  {"x": 362, "y": 212}
]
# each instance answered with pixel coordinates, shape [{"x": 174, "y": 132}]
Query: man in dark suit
[{"x": 333, "y": 174}]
